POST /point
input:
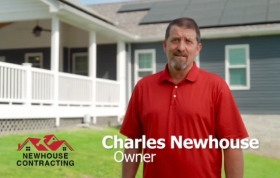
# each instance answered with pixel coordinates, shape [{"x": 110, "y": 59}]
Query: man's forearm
[
  {"x": 233, "y": 163},
  {"x": 129, "y": 169}
]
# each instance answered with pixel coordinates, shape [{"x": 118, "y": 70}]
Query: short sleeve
[
  {"x": 229, "y": 124},
  {"x": 132, "y": 126}
]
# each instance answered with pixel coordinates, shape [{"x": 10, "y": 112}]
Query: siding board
[{"x": 264, "y": 94}]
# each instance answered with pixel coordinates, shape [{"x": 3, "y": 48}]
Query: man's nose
[{"x": 182, "y": 46}]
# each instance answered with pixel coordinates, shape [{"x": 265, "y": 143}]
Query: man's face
[{"x": 181, "y": 47}]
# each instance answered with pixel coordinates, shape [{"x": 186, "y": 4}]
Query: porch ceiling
[{"x": 11, "y": 11}]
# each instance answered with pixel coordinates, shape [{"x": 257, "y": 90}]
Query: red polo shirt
[{"x": 199, "y": 106}]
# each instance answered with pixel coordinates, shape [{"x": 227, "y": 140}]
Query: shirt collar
[{"x": 191, "y": 76}]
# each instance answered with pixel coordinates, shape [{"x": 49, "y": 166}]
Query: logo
[
  {"x": 49, "y": 151},
  {"x": 54, "y": 146}
]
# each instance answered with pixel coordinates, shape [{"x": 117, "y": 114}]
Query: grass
[{"x": 92, "y": 160}]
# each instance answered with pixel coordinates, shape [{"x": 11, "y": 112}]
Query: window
[
  {"x": 237, "y": 67},
  {"x": 145, "y": 63},
  {"x": 196, "y": 59},
  {"x": 2, "y": 59},
  {"x": 36, "y": 59},
  {"x": 80, "y": 63},
  {"x": 27, "y": 148}
]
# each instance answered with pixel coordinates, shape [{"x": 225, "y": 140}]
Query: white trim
[
  {"x": 198, "y": 61},
  {"x": 136, "y": 67},
  {"x": 74, "y": 55},
  {"x": 2, "y": 59},
  {"x": 121, "y": 77},
  {"x": 27, "y": 55},
  {"x": 247, "y": 66},
  {"x": 129, "y": 71}
]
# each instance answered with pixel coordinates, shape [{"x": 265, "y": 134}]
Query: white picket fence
[{"x": 72, "y": 89}]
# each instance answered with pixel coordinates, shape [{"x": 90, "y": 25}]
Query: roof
[
  {"x": 131, "y": 20},
  {"x": 210, "y": 13},
  {"x": 77, "y": 5}
]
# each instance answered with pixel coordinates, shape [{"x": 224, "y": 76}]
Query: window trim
[
  {"x": 247, "y": 66},
  {"x": 136, "y": 67},
  {"x": 74, "y": 55},
  {"x": 27, "y": 55}
]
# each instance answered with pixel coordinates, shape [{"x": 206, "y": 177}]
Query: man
[{"x": 186, "y": 101}]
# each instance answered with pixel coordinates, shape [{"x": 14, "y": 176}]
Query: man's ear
[
  {"x": 164, "y": 46},
  {"x": 199, "y": 47}
]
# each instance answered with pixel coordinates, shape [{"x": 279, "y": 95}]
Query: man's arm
[
  {"x": 129, "y": 169},
  {"x": 233, "y": 163}
]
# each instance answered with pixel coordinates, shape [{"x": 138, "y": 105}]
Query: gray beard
[{"x": 177, "y": 65}]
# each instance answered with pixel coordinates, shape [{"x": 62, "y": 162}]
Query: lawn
[{"x": 92, "y": 160}]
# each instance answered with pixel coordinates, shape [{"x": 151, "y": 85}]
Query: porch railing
[
  {"x": 42, "y": 85},
  {"x": 12, "y": 82},
  {"x": 17, "y": 82},
  {"x": 74, "y": 89},
  {"x": 107, "y": 92}
]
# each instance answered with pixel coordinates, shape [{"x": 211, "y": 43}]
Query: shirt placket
[{"x": 174, "y": 95}]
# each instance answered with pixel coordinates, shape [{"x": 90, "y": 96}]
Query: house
[
  {"x": 241, "y": 43},
  {"x": 46, "y": 80},
  {"x": 88, "y": 59}
]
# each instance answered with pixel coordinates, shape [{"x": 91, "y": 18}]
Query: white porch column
[
  {"x": 92, "y": 68},
  {"x": 121, "y": 63},
  {"x": 55, "y": 60}
]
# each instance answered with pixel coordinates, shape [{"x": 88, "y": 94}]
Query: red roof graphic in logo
[{"x": 55, "y": 145}]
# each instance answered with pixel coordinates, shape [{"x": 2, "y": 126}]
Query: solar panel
[
  {"x": 135, "y": 7},
  {"x": 204, "y": 5},
  {"x": 273, "y": 16},
  {"x": 210, "y": 12},
  {"x": 201, "y": 13},
  {"x": 165, "y": 11},
  {"x": 254, "y": 17},
  {"x": 233, "y": 11},
  {"x": 255, "y": 8},
  {"x": 160, "y": 17},
  {"x": 207, "y": 21},
  {"x": 171, "y": 3},
  {"x": 172, "y": 8},
  {"x": 273, "y": 7}
]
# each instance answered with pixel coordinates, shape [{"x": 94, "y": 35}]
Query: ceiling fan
[{"x": 37, "y": 30}]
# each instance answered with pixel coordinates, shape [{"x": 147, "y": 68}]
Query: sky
[{"x": 87, "y": 2}]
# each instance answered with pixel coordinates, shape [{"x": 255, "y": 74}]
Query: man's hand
[
  {"x": 233, "y": 163},
  {"x": 129, "y": 169}
]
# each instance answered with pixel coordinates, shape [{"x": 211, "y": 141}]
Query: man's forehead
[{"x": 181, "y": 31}]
